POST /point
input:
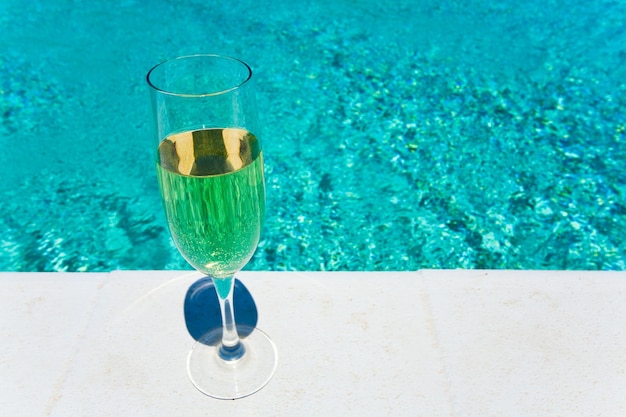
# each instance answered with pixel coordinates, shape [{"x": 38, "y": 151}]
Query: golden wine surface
[{"x": 213, "y": 192}]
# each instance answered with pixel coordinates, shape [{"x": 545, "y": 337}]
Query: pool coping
[{"x": 428, "y": 342}]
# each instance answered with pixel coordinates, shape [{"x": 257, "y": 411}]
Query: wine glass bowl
[{"x": 209, "y": 164}]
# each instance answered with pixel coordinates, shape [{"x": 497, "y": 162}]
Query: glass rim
[{"x": 214, "y": 93}]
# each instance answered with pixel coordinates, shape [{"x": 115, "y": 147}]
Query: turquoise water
[{"x": 414, "y": 134}]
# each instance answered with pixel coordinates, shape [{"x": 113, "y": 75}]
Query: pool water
[{"x": 397, "y": 135}]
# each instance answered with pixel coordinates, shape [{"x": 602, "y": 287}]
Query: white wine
[{"x": 214, "y": 196}]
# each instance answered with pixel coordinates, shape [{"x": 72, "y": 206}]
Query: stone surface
[{"x": 434, "y": 342}]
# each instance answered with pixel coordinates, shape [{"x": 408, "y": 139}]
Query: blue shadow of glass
[{"x": 203, "y": 315}]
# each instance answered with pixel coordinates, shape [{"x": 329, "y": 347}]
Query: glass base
[{"x": 229, "y": 380}]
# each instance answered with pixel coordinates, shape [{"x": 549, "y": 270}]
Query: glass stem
[{"x": 231, "y": 347}]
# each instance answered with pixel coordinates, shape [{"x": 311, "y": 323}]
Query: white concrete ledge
[{"x": 427, "y": 343}]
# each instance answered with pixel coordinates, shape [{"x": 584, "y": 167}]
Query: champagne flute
[{"x": 210, "y": 170}]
